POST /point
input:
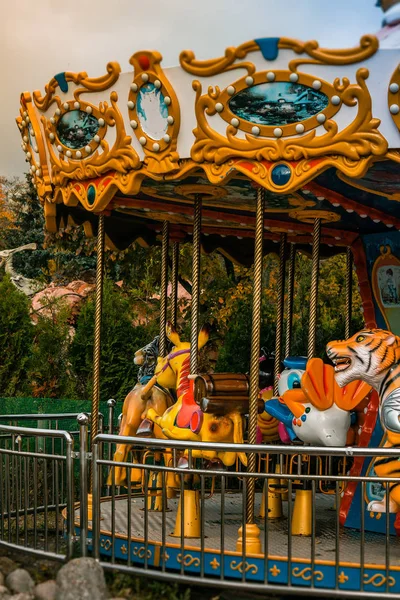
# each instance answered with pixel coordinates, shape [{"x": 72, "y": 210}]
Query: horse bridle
[{"x": 170, "y": 356}]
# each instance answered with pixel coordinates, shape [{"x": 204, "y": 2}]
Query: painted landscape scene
[
  {"x": 278, "y": 103},
  {"x": 76, "y": 129}
]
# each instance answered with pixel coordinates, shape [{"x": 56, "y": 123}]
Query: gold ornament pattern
[
  {"x": 161, "y": 153},
  {"x": 188, "y": 560},
  {"x": 307, "y": 574},
  {"x": 378, "y": 580},
  {"x": 206, "y": 68},
  {"x": 121, "y": 157},
  {"x": 359, "y": 140},
  {"x": 244, "y": 567}
]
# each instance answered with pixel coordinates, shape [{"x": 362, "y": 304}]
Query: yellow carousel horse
[
  {"x": 135, "y": 406},
  {"x": 184, "y": 420}
]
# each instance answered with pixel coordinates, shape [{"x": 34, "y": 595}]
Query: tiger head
[{"x": 367, "y": 356}]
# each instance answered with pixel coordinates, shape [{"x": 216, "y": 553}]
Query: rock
[
  {"x": 46, "y": 590},
  {"x": 2, "y": 579},
  {"x": 21, "y": 596},
  {"x": 81, "y": 579},
  {"x": 5, "y": 593},
  {"x": 20, "y": 582},
  {"x": 7, "y": 565}
]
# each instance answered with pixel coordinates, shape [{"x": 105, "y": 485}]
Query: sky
[{"x": 39, "y": 38}]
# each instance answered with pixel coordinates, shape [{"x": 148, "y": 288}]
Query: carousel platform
[{"x": 285, "y": 558}]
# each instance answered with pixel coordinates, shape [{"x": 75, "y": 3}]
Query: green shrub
[
  {"x": 50, "y": 373},
  {"x": 16, "y": 337},
  {"x": 120, "y": 340}
]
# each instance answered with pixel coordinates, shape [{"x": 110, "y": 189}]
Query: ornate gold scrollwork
[
  {"x": 307, "y": 574},
  {"x": 121, "y": 157},
  {"x": 188, "y": 560},
  {"x": 206, "y": 68},
  {"x": 369, "y": 44},
  {"x": 34, "y": 147},
  {"x": 346, "y": 149},
  {"x": 244, "y": 567},
  {"x": 141, "y": 552},
  {"x": 159, "y": 147},
  {"x": 378, "y": 580},
  {"x": 96, "y": 84},
  {"x": 106, "y": 544}
]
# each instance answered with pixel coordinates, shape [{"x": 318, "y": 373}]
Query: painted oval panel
[
  {"x": 277, "y": 103},
  {"x": 152, "y": 111},
  {"x": 76, "y": 128}
]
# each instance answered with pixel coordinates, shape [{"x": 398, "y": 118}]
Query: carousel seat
[{"x": 223, "y": 393}]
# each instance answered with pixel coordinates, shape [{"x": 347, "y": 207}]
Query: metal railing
[
  {"x": 216, "y": 558},
  {"x": 39, "y": 481},
  {"x": 145, "y": 528},
  {"x": 35, "y": 485}
]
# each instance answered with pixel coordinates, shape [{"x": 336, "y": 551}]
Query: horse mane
[{"x": 184, "y": 383}]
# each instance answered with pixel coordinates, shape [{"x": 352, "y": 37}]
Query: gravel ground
[{"x": 121, "y": 585}]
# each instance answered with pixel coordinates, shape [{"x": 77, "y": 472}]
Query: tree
[
  {"x": 120, "y": 340},
  {"x": 16, "y": 338},
  {"x": 50, "y": 374},
  {"x": 64, "y": 256},
  {"x": 6, "y": 215}
]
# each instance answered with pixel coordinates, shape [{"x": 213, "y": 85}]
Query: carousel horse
[
  {"x": 134, "y": 406},
  {"x": 373, "y": 355},
  {"x": 311, "y": 406},
  {"x": 184, "y": 420}
]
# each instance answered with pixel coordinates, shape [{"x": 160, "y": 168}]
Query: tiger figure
[{"x": 373, "y": 355}]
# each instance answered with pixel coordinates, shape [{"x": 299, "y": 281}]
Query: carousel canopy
[{"x": 317, "y": 128}]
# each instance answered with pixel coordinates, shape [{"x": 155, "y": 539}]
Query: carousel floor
[{"x": 325, "y": 538}]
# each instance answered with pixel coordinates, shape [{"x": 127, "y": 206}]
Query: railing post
[
  {"x": 70, "y": 498},
  {"x": 83, "y": 421},
  {"x": 111, "y": 403},
  {"x": 95, "y": 501},
  {"x": 111, "y": 406}
]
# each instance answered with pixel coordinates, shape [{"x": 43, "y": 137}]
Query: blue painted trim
[
  {"x": 269, "y": 47},
  {"x": 232, "y": 566},
  {"x": 62, "y": 82}
]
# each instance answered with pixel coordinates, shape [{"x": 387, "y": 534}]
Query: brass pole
[
  {"x": 255, "y": 349},
  {"x": 174, "y": 282},
  {"x": 194, "y": 324},
  {"x": 280, "y": 312},
  {"x": 312, "y": 326},
  {"x": 289, "y": 307},
  {"x": 162, "y": 351},
  {"x": 349, "y": 291},
  {"x": 97, "y": 327}
]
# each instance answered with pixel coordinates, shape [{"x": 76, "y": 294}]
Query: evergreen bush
[
  {"x": 16, "y": 338},
  {"x": 120, "y": 339}
]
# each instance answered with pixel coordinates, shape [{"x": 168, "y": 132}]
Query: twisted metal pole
[
  {"x": 280, "y": 312},
  {"x": 312, "y": 325},
  {"x": 174, "y": 282},
  {"x": 255, "y": 349},
  {"x": 289, "y": 306},
  {"x": 349, "y": 291},
  {"x": 97, "y": 327},
  {"x": 162, "y": 351},
  {"x": 194, "y": 324}
]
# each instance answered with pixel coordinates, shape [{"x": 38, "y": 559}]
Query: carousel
[{"x": 275, "y": 479}]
